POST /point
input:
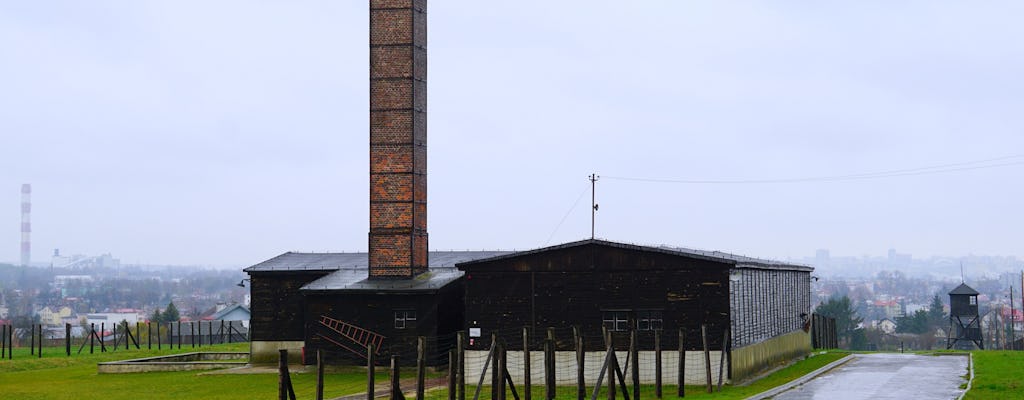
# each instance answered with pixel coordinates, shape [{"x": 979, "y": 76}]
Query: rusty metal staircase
[{"x": 363, "y": 337}]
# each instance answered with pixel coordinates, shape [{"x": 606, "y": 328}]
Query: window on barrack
[
  {"x": 616, "y": 320},
  {"x": 405, "y": 319},
  {"x": 648, "y": 320}
]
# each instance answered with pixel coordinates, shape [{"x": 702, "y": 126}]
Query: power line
[
  {"x": 928, "y": 170},
  {"x": 574, "y": 204}
]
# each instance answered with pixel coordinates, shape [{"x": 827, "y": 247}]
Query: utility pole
[
  {"x": 593, "y": 202},
  {"x": 1013, "y": 335}
]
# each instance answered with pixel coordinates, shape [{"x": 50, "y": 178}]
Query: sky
[{"x": 224, "y": 133}]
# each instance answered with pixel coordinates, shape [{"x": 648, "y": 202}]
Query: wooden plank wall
[
  {"x": 563, "y": 288},
  {"x": 437, "y": 315},
  {"x": 767, "y": 303},
  {"x": 278, "y": 308}
]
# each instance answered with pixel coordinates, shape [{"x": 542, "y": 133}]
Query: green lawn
[
  {"x": 56, "y": 376},
  {"x": 997, "y": 375}
]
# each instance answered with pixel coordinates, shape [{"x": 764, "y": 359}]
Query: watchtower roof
[{"x": 963, "y": 289}]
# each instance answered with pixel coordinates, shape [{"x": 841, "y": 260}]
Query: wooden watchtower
[{"x": 964, "y": 324}]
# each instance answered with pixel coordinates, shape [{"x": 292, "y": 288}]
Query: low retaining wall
[
  {"x": 749, "y": 360},
  {"x": 266, "y": 352},
  {"x": 565, "y": 366},
  {"x": 177, "y": 362}
]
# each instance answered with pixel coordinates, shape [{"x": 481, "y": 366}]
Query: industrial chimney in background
[
  {"x": 26, "y": 224},
  {"x": 398, "y": 138}
]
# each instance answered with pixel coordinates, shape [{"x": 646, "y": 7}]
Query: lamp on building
[{"x": 242, "y": 282}]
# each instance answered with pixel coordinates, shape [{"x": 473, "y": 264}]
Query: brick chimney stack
[{"x": 398, "y": 138}]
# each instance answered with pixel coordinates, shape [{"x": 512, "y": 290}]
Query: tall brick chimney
[{"x": 398, "y": 138}]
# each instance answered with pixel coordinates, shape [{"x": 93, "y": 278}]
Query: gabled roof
[
  {"x": 963, "y": 289},
  {"x": 327, "y": 262},
  {"x": 227, "y": 310},
  {"x": 715, "y": 256}
]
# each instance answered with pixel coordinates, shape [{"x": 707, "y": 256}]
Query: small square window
[
  {"x": 617, "y": 320},
  {"x": 648, "y": 320},
  {"x": 405, "y": 319},
  {"x": 974, "y": 300}
]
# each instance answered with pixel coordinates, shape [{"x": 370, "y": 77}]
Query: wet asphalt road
[{"x": 887, "y": 376}]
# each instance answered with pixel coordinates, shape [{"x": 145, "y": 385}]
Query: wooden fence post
[
  {"x": 319, "y": 374},
  {"x": 369, "y": 372},
  {"x": 707, "y": 356},
  {"x": 421, "y": 366},
  {"x": 452, "y": 371},
  {"x": 581, "y": 379},
  {"x": 179, "y": 334},
  {"x": 549, "y": 366},
  {"x": 40, "y": 353},
  {"x": 681, "y": 371},
  {"x": 657, "y": 364},
  {"x": 32, "y": 342},
  {"x": 460, "y": 355},
  {"x": 611, "y": 367},
  {"x": 396, "y": 388},
  {"x": 635, "y": 364},
  {"x": 67, "y": 337},
  {"x": 285, "y": 390},
  {"x": 721, "y": 358},
  {"x": 527, "y": 386},
  {"x": 502, "y": 366},
  {"x": 282, "y": 372},
  {"x": 494, "y": 366},
  {"x": 3, "y": 342}
]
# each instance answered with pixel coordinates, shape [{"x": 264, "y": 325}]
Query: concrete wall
[
  {"x": 565, "y": 367},
  {"x": 266, "y": 352},
  {"x": 749, "y": 360}
]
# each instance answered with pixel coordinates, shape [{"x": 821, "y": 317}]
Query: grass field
[
  {"x": 997, "y": 375},
  {"x": 56, "y": 376}
]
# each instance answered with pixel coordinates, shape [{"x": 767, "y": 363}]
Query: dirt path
[{"x": 408, "y": 388}]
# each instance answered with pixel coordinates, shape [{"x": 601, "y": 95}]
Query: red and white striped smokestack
[
  {"x": 398, "y": 138},
  {"x": 26, "y": 224}
]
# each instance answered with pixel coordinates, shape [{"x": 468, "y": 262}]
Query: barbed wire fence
[
  {"x": 528, "y": 365},
  {"x": 111, "y": 337}
]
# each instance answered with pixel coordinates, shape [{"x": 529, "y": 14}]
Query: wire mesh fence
[
  {"x": 552, "y": 363},
  {"x": 112, "y": 337}
]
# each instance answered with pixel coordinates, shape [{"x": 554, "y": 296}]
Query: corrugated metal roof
[
  {"x": 350, "y": 270},
  {"x": 717, "y": 256},
  {"x": 292, "y": 261},
  {"x": 356, "y": 280}
]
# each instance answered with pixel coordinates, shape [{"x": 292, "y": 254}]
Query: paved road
[{"x": 887, "y": 376}]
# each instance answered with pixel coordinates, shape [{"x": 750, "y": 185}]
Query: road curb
[
  {"x": 970, "y": 363},
  {"x": 801, "y": 380}
]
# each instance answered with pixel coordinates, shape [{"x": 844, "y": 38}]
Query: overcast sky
[{"x": 227, "y": 132}]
